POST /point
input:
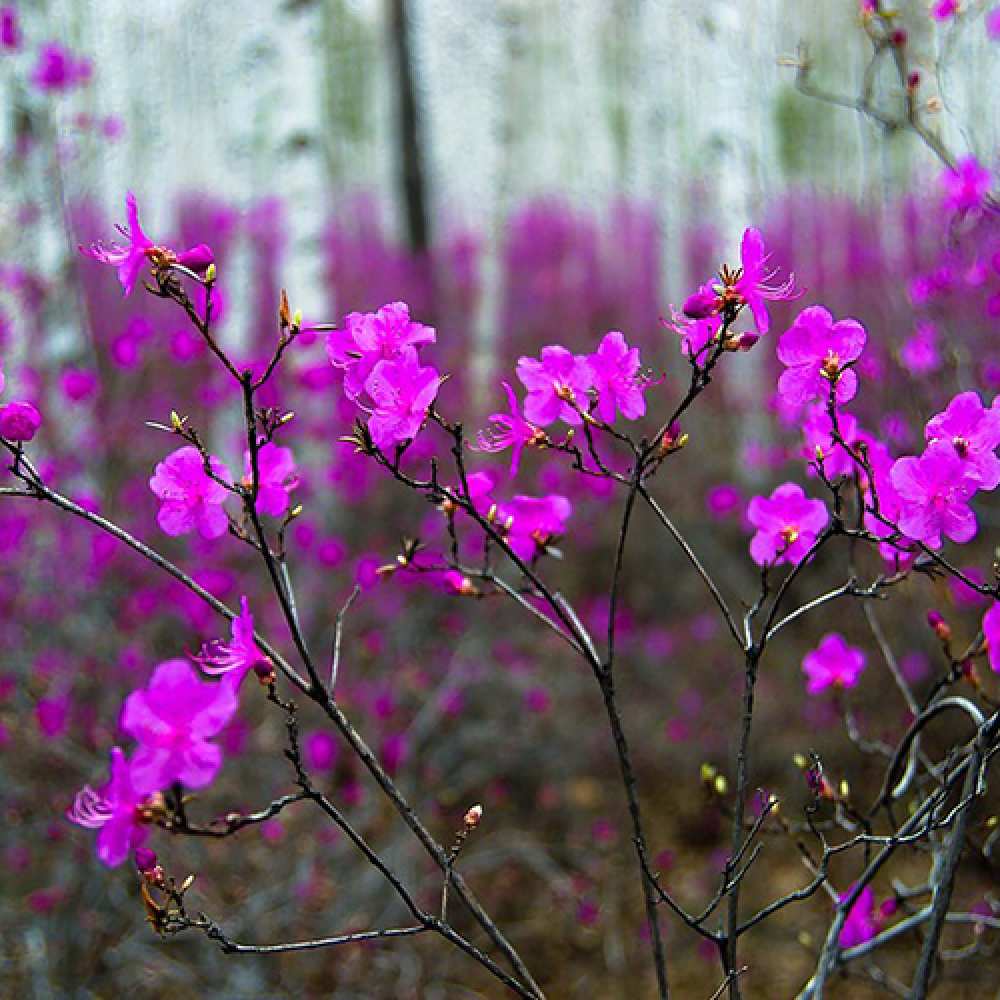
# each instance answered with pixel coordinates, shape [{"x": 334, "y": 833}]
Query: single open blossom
[
  {"x": 509, "y": 430},
  {"x": 752, "y": 287},
  {"x": 58, "y": 69},
  {"x": 832, "y": 663},
  {"x": 190, "y": 499},
  {"x": 173, "y": 720},
  {"x": 116, "y": 809},
  {"x": 276, "y": 478},
  {"x": 973, "y": 431},
  {"x": 787, "y": 524},
  {"x": 130, "y": 258},
  {"x": 991, "y": 632},
  {"x": 534, "y": 522},
  {"x": 402, "y": 392},
  {"x": 368, "y": 338},
  {"x": 552, "y": 383},
  {"x": 814, "y": 352},
  {"x": 934, "y": 492},
  {"x": 966, "y": 186},
  {"x": 19, "y": 421},
  {"x": 238, "y": 656},
  {"x": 861, "y": 924},
  {"x": 614, "y": 368}
]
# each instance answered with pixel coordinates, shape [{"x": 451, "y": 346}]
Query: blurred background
[{"x": 522, "y": 172}]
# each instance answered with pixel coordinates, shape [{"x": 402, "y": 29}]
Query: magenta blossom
[
  {"x": 19, "y": 421},
  {"x": 509, "y": 431},
  {"x": 58, "y": 69},
  {"x": 534, "y": 523},
  {"x": 10, "y": 29},
  {"x": 991, "y": 633},
  {"x": 974, "y": 433},
  {"x": 815, "y": 351},
  {"x": 860, "y": 925},
  {"x": 173, "y": 720},
  {"x": 402, "y": 392},
  {"x": 703, "y": 303},
  {"x": 117, "y": 810},
  {"x": 944, "y": 10},
  {"x": 818, "y": 431},
  {"x": 129, "y": 259},
  {"x": 695, "y": 334},
  {"x": 368, "y": 338},
  {"x": 615, "y": 369},
  {"x": 966, "y": 186},
  {"x": 276, "y": 475},
  {"x": 919, "y": 355},
  {"x": 787, "y": 524},
  {"x": 238, "y": 656},
  {"x": 751, "y": 286},
  {"x": 832, "y": 663},
  {"x": 190, "y": 499},
  {"x": 992, "y": 24},
  {"x": 555, "y": 381},
  {"x": 934, "y": 492}
]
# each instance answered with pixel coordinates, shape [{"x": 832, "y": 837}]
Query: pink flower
[
  {"x": 973, "y": 432},
  {"x": 509, "y": 431},
  {"x": 933, "y": 492},
  {"x": 695, "y": 334},
  {"x": 19, "y": 421},
  {"x": 703, "y": 303},
  {"x": 992, "y": 23},
  {"x": 818, "y": 430},
  {"x": 190, "y": 499},
  {"x": 814, "y": 352},
  {"x": 860, "y": 925},
  {"x": 10, "y": 29},
  {"x": 833, "y": 662},
  {"x": 173, "y": 720},
  {"x": 368, "y": 338},
  {"x": 238, "y": 656},
  {"x": 723, "y": 500},
  {"x": 535, "y": 522},
  {"x": 115, "y": 810},
  {"x": 402, "y": 392},
  {"x": 943, "y": 10},
  {"x": 277, "y": 478},
  {"x": 57, "y": 69},
  {"x": 991, "y": 632},
  {"x": 751, "y": 287},
  {"x": 966, "y": 186},
  {"x": 615, "y": 369},
  {"x": 558, "y": 378},
  {"x": 129, "y": 259},
  {"x": 787, "y": 524},
  {"x": 919, "y": 354}
]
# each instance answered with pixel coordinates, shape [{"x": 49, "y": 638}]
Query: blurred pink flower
[
  {"x": 190, "y": 500},
  {"x": 966, "y": 186},
  {"x": 860, "y": 925},
  {"x": 10, "y": 29},
  {"x": 919, "y": 354},
  {"x": 832, "y": 663},
  {"x": 19, "y": 421},
  {"x": 991, "y": 633},
  {"x": 992, "y": 23},
  {"x": 787, "y": 524},
  {"x": 943, "y": 10},
  {"x": 58, "y": 69}
]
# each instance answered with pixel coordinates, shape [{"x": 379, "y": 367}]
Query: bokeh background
[{"x": 521, "y": 172}]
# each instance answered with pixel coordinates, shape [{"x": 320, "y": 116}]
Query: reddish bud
[
  {"x": 913, "y": 79},
  {"x": 941, "y": 628},
  {"x": 898, "y": 37},
  {"x": 145, "y": 859},
  {"x": 702, "y": 303},
  {"x": 197, "y": 258}
]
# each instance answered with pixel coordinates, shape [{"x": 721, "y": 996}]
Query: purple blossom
[
  {"x": 615, "y": 371},
  {"x": 695, "y": 334},
  {"x": 19, "y": 421},
  {"x": 190, "y": 499},
  {"x": 944, "y": 10},
  {"x": 751, "y": 287},
  {"x": 934, "y": 492},
  {"x": 787, "y": 524},
  {"x": 276, "y": 478},
  {"x": 974, "y": 433},
  {"x": 703, "y": 303},
  {"x": 552, "y": 383},
  {"x": 814, "y": 352},
  {"x": 860, "y": 925},
  {"x": 116, "y": 810},
  {"x": 919, "y": 354},
  {"x": 535, "y": 522},
  {"x": 10, "y": 29},
  {"x": 819, "y": 444},
  {"x": 991, "y": 633},
  {"x": 966, "y": 186},
  {"x": 239, "y": 655},
  {"x": 402, "y": 392},
  {"x": 509, "y": 431},
  {"x": 173, "y": 720},
  {"x": 58, "y": 69},
  {"x": 992, "y": 24},
  {"x": 832, "y": 663}
]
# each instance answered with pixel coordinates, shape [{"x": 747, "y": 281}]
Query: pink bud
[
  {"x": 702, "y": 303},
  {"x": 197, "y": 258},
  {"x": 19, "y": 421},
  {"x": 145, "y": 859}
]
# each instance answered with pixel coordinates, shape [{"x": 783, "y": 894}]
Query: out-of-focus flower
[
  {"x": 10, "y": 29},
  {"x": 787, "y": 524},
  {"x": 402, "y": 392},
  {"x": 815, "y": 352},
  {"x": 991, "y": 632},
  {"x": 19, "y": 421},
  {"x": 944, "y": 10},
  {"x": 860, "y": 925},
  {"x": 615, "y": 370},
  {"x": 276, "y": 477},
  {"x": 832, "y": 663},
  {"x": 58, "y": 69},
  {"x": 552, "y": 383},
  {"x": 966, "y": 186},
  {"x": 992, "y": 24},
  {"x": 190, "y": 499}
]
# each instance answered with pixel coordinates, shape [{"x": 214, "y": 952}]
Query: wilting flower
[
  {"x": 535, "y": 522},
  {"x": 190, "y": 499},
  {"x": 966, "y": 186},
  {"x": 860, "y": 925},
  {"x": 509, "y": 430},
  {"x": 934, "y": 492},
  {"x": 834, "y": 663},
  {"x": 276, "y": 478},
  {"x": 974, "y": 433},
  {"x": 614, "y": 369},
  {"x": 130, "y": 258},
  {"x": 815, "y": 351},
  {"x": 787, "y": 524},
  {"x": 991, "y": 632},
  {"x": 238, "y": 656},
  {"x": 116, "y": 810},
  {"x": 402, "y": 392},
  {"x": 173, "y": 720},
  {"x": 19, "y": 421},
  {"x": 751, "y": 287},
  {"x": 555, "y": 381}
]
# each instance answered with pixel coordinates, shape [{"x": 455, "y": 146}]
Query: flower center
[
  {"x": 790, "y": 534},
  {"x": 565, "y": 393},
  {"x": 831, "y": 365},
  {"x": 961, "y": 445}
]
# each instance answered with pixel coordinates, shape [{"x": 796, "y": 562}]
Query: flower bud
[
  {"x": 898, "y": 37},
  {"x": 912, "y": 80},
  {"x": 199, "y": 258},
  {"x": 145, "y": 859},
  {"x": 264, "y": 669},
  {"x": 703, "y": 303},
  {"x": 941, "y": 628},
  {"x": 473, "y": 817},
  {"x": 19, "y": 421}
]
